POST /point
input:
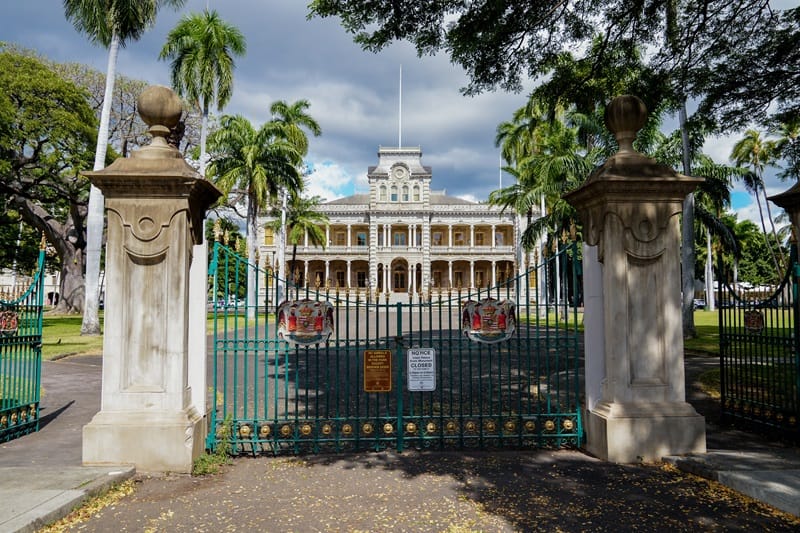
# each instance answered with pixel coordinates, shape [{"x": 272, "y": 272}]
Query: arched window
[
  {"x": 405, "y": 193},
  {"x": 393, "y": 195},
  {"x": 416, "y": 193},
  {"x": 382, "y": 193}
]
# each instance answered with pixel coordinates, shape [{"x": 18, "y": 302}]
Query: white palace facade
[{"x": 404, "y": 237}]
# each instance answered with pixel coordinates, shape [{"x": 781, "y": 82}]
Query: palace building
[{"x": 405, "y": 237}]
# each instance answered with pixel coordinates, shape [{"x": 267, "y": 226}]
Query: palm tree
[
  {"x": 201, "y": 47},
  {"x": 293, "y": 120},
  {"x": 254, "y": 166},
  {"x": 757, "y": 153},
  {"x": 303, "y": 219},
  {"x": 112, "y": 24},
  {"x": 788, "y": 147}
]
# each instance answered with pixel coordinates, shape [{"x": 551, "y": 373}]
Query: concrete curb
[
  {"x": 56, "y": 495},
  {"x": 769, "y": 478}
]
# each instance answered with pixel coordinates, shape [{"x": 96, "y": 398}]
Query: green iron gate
[
  {"x": 760, "y": 356},
  {"x": 394, "y": 374},
  {"x": 21, "y": 357}
]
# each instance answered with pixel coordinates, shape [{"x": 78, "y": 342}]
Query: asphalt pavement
[{"x": 42, "y": 480}]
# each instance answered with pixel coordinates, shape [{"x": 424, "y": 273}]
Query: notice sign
[
  {"x": 377, "y": 370},
  {"x": 421, "y": 369}
]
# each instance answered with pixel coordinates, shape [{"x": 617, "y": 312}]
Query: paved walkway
[{"x": 41, "y": 479}]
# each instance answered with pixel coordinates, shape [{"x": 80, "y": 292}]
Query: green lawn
[
  {"x": 706, "y": 323},
  {"x": 62, "y": 333},
  {"x": 61, "y": 336}
]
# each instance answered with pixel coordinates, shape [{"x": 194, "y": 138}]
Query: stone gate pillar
[
  {"x": 630, "y": 208},
  {"x": 156, "y": 205}
]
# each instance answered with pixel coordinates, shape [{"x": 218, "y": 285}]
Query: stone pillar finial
[
  {"x": 161, "y": 109},
  {"x": 625, "y": 116}
]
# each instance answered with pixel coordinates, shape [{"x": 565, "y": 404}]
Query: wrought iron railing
[
  {"x": 352, "y": 386},
  {"x": 21, "y": 357},
  {"x": 759, "y": 363}
]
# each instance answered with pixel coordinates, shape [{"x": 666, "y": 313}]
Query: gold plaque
[
  {"x": 265, "y": 431},
  {"x": 431, "y": 427},
  {"x": 305, "y": 430},
  {"x": 510, "y": 426},
  {"x": 244, "y": 431},
  {"x": 347, "y": 429},
  {"x": 13, "y": 418},
  {"x": 780, "y": 417},
  {"x": 327, "y": 429},
  {"x": 491, "y": 426},
  {"x": 568, "y": 424},
  {"x": 377, "y": 370},
  {"x": 388, "y": 428},
  {"x": 451, "y": 427},
  {"x": 286, "y": 430},
  {"x": 530, "y": 425},
  {"x": 549, "y": 425},
  {"x": 470, "y": 426},
  {"x": 367, "y": 428},
  {"x": 411, "y": 427},
  {"x": 3, "y": 420}
]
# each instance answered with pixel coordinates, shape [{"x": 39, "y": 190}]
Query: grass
[
  {"x": 706, "y": 323},
  {"x": 61, "y": 336}
]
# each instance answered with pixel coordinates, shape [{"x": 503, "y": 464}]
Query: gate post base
[
  {"x": 629, "y": 433},
  {"x": 166, "y": 441}
]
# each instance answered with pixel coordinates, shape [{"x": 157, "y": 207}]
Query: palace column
[
  {"x": 449, "y": 274},
  {"x": 349, "y": 230},
  {"x": 156, "y": 205},
  {"x": 472, "y": 274},
  {"x": 634, "y": 373}
]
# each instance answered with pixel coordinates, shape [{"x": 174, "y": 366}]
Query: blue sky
[{"x": 354, "y": 94}]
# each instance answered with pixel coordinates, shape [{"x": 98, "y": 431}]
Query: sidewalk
[{"x": 42, "y": 479}]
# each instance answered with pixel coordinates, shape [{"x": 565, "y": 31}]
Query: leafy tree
[
  {"x": 112, "y": 24},
  {"x": 47, "y": 132},
  {"x": 19, "y": 242},
  {"x": 700, "y": 47},
  {"x": 201, "y": 48}
]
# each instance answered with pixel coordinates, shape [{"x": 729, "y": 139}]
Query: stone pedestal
[
  {"x": 156, "y": 204},
  {"x": 630, "y": 207}
]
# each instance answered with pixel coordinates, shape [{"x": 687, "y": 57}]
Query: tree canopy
[
  {"x": 702, "y": 48},
  {"x": 47, "y": 136}
]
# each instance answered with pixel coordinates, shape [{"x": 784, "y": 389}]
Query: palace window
[
  {"x": 341, "y": 238},
  {"x": 393, "y": 196},
  {"x": 340, "y": 279},
  {"x": 479, "y": 238},
  {"x": 405, "y": 193},
  {"x": 458, "y": 278},
  {"x": 382, "y": 193},
  {"x": 499, "y": 238},
  {"x": 399, "y": 279},
  {"x": 361, "y": 239},
  {"x": 416, "y": 193},
  {"x": 400, "y": 239},
  {"x": 437, "y": 238},
  {"x": 269, "y": 236},
  {"x": 361, "y": 278},
  {"x": 437, "y": 278},
  {"x": 458, "y": 237}
]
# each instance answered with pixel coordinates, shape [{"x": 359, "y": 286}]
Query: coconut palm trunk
[{"x": 95, "y": 214}]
